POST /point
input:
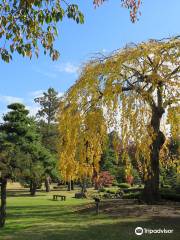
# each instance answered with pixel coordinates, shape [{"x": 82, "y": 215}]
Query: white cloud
[
  {"x": 10, "y": 99},
  {"x": 60, "y": 94},
  {"x": 104, "y": 50},
  {"x": 32, "y": 110},
  {"x": 67, "y": 68},
  {"x": 28, "y": 102},
  {"x": 37, "y": 93}
]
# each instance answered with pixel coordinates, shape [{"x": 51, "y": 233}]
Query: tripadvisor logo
[{"x": 140, "y": 231}]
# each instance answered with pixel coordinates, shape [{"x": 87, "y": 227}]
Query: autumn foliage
[
  {"x": 129, "y": 90},
  {"x": 105, "y": 179},
  {"x": 130, "y": 179},
  {"x": 132, "y": 5}
]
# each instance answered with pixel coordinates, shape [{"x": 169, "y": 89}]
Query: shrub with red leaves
[
  {"x": 105, "y": 179},
  {"x": 130, "y": 179}
]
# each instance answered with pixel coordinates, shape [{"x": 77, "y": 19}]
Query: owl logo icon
[{"x": 139, "y": 231}]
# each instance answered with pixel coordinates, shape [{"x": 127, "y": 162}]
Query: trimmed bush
[
  {"x": 177, "y": 189},
  {"x": 124, "y": 185},
  {"x": 166, "y": 186},
  {"x": 110, "y": 195},
  {"x": 132, "y": 190},
  {"x": 135, "y": 195},
  {"x": 102, "y": 190},
  {"x": 167, "y": 191},
  {"x": 177, "y": 186},
  {"x": 111, "y": 191},
  {"x": 107, "y": 195},
  {"x": 171, "y": 196},
  {"x": 80, "y": 195},
  {"x": 115, "y": 183}
]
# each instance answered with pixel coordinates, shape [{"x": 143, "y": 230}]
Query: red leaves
[
  {"x": 105, "y": 179},
  {"x": 130, "y": 179},
  {"x": 132, "y": 5}
]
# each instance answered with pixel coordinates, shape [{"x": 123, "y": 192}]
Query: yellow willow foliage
[
  {"x": 173, "y": 118},
  {"x": 127, "y": 87},
  {"x": 167, "y": 161},
  {"x": 68, "y": 128},
  {"x": 116, "y": 145},
  {"x": 174, "y": 121},
  {"x": 81, "y": 143}
]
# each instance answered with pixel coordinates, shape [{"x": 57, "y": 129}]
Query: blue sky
[{"x": 106, "y": 28}]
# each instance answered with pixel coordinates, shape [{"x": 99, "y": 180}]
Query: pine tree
[
  {"x": 22, "y": 154},
  {"x": 47, "y": 126}
]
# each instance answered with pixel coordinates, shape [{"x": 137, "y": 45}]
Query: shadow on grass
[
  {"x": 66, "y": 221},
  {"x": 22, "y": 193},
  {"x": 94, "y": 230},
  {"x": 46, "y": 213}
]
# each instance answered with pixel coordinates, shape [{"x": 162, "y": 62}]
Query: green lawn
[{"x": 40, "y": 218}]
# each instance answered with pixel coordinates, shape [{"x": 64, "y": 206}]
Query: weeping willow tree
[{"x": 133, "y": 88}]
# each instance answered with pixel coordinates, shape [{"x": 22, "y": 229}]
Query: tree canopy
[
  {"x": 26, "y": 26},
  {"x": 136, "y": 84},
  {"x": 80, "y": 146},
  {"x": 22, "y": 156},
  {"x": 132, "y": 5},
  {"x": 47, "y": 125},
  {"x": 49, "y": 104}
]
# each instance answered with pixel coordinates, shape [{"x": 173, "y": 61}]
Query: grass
[{"x": 40, "y": 218}]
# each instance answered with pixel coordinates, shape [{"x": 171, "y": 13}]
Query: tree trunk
[
  {"x": 47, "y": 184},
  {"x": 95, "y": 180},
  {"x": 72, "y": 185},
  {"x": 3, "y": 202},
  {"x": 151, "y": 190},
  {"x": 83, "y": 186},
  {"x": 69, "y": 186},
  {"x": 33, "y": 188}
]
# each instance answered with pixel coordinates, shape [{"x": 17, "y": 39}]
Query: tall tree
[
  {"x": 110, "y": 157},
  {"x": 6, "y": 151},
  {"x": 140, "y": 82},
  {"x": 38, "y": 165},
  {"x": 21, "y": 152},
  {"x": 12, "y": 133},
  {"x": 49, "y": 106}
]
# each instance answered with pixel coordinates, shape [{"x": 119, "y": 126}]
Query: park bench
[{"x": 63, "y": 198}]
